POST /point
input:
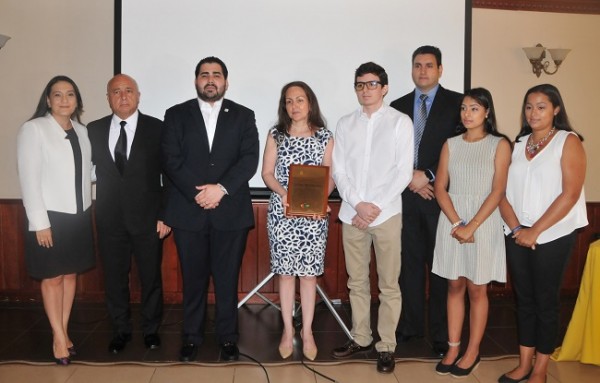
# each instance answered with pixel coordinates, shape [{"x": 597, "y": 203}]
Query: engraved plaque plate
[{"x": 307, "y": 190}]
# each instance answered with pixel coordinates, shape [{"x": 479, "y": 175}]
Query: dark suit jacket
[
  {"x": 188, "y": 163},
  {"x": 443, "y": 118},
  {"x": 134, "y": 199}
]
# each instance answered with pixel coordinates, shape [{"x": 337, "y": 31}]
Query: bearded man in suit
[
  {"x": 210, "y": 151},
  {"x": 129, "y": 197}
]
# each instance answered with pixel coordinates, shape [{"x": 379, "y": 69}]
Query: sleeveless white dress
[{"x": 471, "y": 172}]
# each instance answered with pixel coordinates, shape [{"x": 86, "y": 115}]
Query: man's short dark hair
[
  {"x": 372, "y": 68},
  {"x": 212, "y": 60},
  {"x": 428, "y": 50}
]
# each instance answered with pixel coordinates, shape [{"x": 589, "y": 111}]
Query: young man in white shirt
[{"x": 372, "y": 164}]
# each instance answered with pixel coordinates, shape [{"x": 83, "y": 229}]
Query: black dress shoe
[
  {"x": 440, "y": 348},
  {"x": 458, "y": 372},
  {"x": 386, "y": 362},
  {"x": 152, "y": 341},
  {"x": 506, "y": 379},
  {"x": 230, "y": 351},
  {"x": 118, "y": 343},
  {"x": 188, "y": 352},
  {"x": 349, "y": 349}
]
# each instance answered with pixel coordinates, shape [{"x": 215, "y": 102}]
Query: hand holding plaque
[{"x": 307, "y": 190}]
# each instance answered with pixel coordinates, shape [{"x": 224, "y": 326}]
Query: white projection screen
[{"x": 268, "y": 43}]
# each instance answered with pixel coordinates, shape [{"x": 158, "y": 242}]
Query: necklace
[{"x": 534, "y": 148}]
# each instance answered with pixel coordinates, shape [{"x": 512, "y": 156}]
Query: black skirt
[{"x": 73, "y": 250}]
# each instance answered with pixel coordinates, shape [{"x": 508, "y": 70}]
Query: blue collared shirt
[{"x": 431, "y": 95}]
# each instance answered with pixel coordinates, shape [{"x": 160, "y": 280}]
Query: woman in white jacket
[{"x": 54, "y": 163}]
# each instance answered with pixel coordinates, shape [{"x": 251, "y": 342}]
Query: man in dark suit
[
  {"x": 129, "y": 192},
  {"x": 436, "y": 114},
  {"x": 210, "y": 152}
]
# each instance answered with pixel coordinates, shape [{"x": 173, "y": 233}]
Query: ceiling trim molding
[{"x": 560, "y": 6}]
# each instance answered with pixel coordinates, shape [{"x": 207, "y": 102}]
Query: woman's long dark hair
[
  {"x": 483, "y": 97},
  {"x": 315, "y": 118},
  {"x": 43, "y": 108},
  {"x": 561, "y": 120}
]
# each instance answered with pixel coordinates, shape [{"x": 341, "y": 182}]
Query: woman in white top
[
  {"x": 543, "y": 207},
  {"x": 54, "y": 162}
]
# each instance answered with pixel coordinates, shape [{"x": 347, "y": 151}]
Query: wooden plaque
[{"x": 307, "y": 190}]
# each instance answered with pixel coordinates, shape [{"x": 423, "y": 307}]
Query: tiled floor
[{"x": 25, "y": 343}]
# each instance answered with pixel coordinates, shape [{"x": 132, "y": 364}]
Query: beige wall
[
  {"x": 75, "y": 38},
  {"x": 70, "y": 37},
  {"x": 500, "y": 65}
]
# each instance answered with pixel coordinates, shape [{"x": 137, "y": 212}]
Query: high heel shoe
[
  {"x": 506, "y": 379},
  {"x": 61, "y": 361},
  {"x": 310, "y": 353},
  {"x": 72, "y": 351},
  {"x": 459, "y": 372},
  {"x": 65, "y": 361},
  {"x": 286, "y": 351},
  {"x": 444, "y": 369}
]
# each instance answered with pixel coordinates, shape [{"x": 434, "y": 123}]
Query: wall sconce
[
  {"x": 539, "y": 62},
  {"x": 3, "y": 40}
]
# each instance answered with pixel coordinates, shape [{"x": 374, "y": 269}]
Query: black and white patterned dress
[{"x": 297, "y": 244}]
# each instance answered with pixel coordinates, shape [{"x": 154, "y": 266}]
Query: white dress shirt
[
  {"x": 115, "y": 131},
  {"x": 210, "y": 113},
  {"x": 373, "y": 161}
]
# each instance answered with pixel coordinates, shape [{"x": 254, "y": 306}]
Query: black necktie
[{"x": 121, "y": 149}]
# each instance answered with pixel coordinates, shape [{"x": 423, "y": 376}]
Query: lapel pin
[{"x": 226, "y": 110}]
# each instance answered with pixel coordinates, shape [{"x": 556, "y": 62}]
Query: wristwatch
[{"x": 429, "y": 174}]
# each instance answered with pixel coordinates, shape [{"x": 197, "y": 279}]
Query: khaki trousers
[{"x": 357, "y": 248}]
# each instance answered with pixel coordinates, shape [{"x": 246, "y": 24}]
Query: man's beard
[{"x": 216, "y": 96}]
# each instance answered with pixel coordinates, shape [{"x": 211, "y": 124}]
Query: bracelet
[
  {"x": 458, "y": 223},
  {"x": 517, "y": 228}
]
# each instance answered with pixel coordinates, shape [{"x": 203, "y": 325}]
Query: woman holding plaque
[{"x": 297, "y": 243}]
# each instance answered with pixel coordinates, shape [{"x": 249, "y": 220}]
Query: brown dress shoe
[{"x": 349, "y": 349}]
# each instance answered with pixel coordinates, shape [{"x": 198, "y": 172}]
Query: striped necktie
[{"x": 420, "y": 121}]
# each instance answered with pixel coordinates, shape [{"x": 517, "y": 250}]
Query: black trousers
[
  {"x": 117, "y": 246},
  {"x": 202, "y": 254},
  {"x": 418, "y": 243},
  {"x": 537, "y": 276}
]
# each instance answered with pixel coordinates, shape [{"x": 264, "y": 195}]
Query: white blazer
[{"x": 47, "y": 169}]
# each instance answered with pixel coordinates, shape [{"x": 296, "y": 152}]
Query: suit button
[{"x": 212, "y": 164}]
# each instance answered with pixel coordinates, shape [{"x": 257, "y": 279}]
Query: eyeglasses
[{"x": 369, "y": 84}]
